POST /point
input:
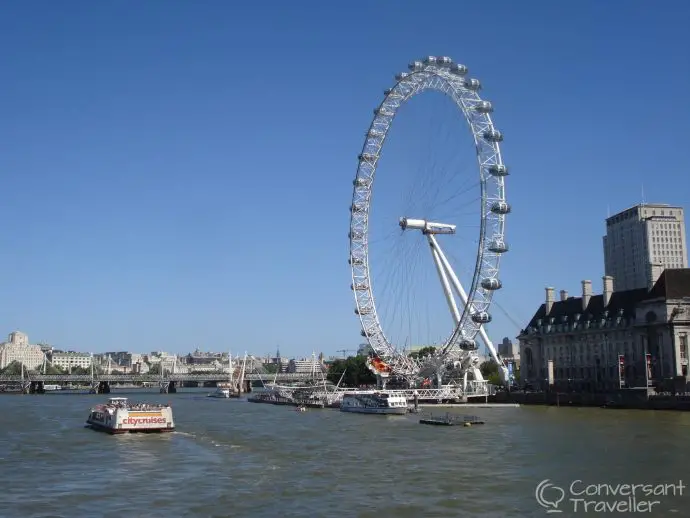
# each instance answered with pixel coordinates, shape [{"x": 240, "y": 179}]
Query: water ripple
[{"x": 241, "y": 459}]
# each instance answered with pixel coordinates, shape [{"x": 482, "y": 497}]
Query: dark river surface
[{"x": 233, "y": 458}]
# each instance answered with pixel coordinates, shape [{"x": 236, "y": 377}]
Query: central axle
[{"x": 427, "y": 227}]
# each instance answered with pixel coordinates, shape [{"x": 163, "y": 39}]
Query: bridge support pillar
[
  {"x": 247, "y": 386},
  {"x": 36, "y": 387},
  {"x": 100, "y": 387},
  {"x": 168, "y": 387}
]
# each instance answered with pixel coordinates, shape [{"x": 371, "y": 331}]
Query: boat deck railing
[{"x": 137, "y": 407}]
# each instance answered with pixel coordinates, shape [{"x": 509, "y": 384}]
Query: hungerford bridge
[{"x": 100, "y": 383}]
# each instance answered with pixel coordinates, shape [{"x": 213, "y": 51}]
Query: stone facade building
[
  {"x": 581, "y": 339},
  {"x": 71, "y": 360},
  {"x": 18, "y": 349}
]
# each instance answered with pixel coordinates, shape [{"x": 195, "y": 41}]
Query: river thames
[{"x": 230, "y": 458}]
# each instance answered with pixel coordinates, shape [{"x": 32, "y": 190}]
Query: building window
[{"x": 683, "y": 347}]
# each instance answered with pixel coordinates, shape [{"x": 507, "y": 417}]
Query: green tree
[
  {"x": 335, "y": 370},
  {"x": 489, "y": 370},
  {"x": 355, "y": 369},
  {"x": 156, "y": 369},
  {"x": 271, "y": 368},
  {"x": 13, "y": 369},
  {"x": 494, "y": 379},
  {"x": 52, "y": 369}
]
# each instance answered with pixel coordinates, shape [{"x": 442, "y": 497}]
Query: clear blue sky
[{"x": 178, "y": 174}]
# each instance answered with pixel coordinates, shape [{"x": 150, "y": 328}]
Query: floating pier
[
  {"x": 449, "y": 420},
  {"x": 469, "y": 405},
  {"x": 284, "y": 401}
]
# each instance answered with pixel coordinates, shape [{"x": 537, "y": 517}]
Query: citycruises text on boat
[{"x": 118, "y": 415}]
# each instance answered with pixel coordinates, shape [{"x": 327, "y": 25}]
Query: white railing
[
  {"x": 446, "y": 392},
  {"x": 152, "y": 377}
]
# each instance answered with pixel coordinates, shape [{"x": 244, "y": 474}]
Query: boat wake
[
  {"x": 184, "y": 434},
  {"x": 205, "y": 440}
]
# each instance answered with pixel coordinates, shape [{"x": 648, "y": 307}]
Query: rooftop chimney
[
  {"x": 608, "y": 289},
  {"x": 586, "y": 294},
  {"x": 549, "y": 300},
  {"x": 564, "y": 295}
]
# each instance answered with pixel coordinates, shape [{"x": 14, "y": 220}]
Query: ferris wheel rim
[{"x": 437, "y": 74}]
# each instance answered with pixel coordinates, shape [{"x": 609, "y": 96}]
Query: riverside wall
[{"x": 631, "y": 399}]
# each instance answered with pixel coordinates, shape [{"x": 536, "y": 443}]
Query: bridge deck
[{"x": 129, "y": 378}]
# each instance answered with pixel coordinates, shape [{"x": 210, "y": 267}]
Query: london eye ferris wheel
[{"x": 455, "y": 355}]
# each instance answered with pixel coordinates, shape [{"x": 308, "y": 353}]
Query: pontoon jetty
[
  {"x": 451, "y": 420},
  {"x": 118, "y": 415}
]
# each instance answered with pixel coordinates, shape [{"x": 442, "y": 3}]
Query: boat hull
[
  {"x": 98, "y": 427},
  {"x": 381, "y": 403},
  {"x": 368, "y": 410}
]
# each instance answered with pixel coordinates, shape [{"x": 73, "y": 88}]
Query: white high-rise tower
[{"x": 641, "y": 242}]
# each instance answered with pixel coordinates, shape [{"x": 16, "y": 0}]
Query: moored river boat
[{"x": 374, "y": 402}]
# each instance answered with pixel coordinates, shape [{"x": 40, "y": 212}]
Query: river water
[{"x": 231, "y": 458}]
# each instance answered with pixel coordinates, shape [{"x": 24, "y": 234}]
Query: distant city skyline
[
  {"x": 188, "y": 185},
  {"x": 25, "y": 340},
  {"x": 18, "y": 349}
]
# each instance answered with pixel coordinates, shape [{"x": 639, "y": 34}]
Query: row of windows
[
  {"x": 666, "y": 252},
  {"x": 595, "y": 338},
  {"x": 666, "y": 226},
  {"x": 674, "y": 264},
  {"x": 634, "y": 215},
  {"x": 666, "y": 240},
  {"x": 663, "y": 212},
  {"x": 607, "y": 350},
  {"x": 585, "y": 372}
]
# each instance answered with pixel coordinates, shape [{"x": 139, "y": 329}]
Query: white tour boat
[
  {"x": 231, "y": 388},
  {"x": 374, "y": 402},
  {"x": 221, "y": 393},
  {"x": 120, "y": 416},
  {"x": 49, "y": 388}
]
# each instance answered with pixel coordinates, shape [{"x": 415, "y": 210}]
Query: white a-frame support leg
[
  {"x": 443, "y": 275},
  {"x": 445, "y": 271}
]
